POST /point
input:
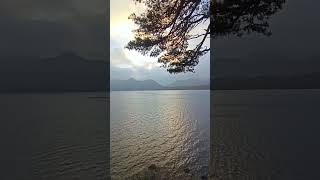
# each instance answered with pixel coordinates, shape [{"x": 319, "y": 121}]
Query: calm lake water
[
  {"x": 164, "y": 130},
  {"x": 54, "y": 136},
  {"x": 256, "y": 134},
  {"x": 265, "y": 134}
]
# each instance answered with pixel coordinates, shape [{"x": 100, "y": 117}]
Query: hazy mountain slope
[
  {"x": 132, "y": 84},
  {"x": 66, "y": 72},
  {"x": 299, "y": 81},
  {"x": 189, "y": 82}
]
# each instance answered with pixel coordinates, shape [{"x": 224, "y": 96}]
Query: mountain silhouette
[
  {"x": 133, "y": 84},
  {"x": 189, "y": 82},
  {"x": 137, "y": 85},
  {"x": 65, "y": 72},
  {"x": 298, "y": 81}
]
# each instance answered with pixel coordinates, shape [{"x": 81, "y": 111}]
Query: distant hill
[
  {"x": 188, "y": 83},
  {"x": 299, "y": 81},
  {"x": 133, "y": 85},
  {"x": 65, "y": 72},
  {"x": 267, "y": 72}
]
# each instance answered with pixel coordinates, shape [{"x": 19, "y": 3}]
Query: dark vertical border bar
[
  {"x": 53, "y": 124},
  {"x": 108, "y": 170}
]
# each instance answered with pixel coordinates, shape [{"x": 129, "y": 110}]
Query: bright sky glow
[
  {"x": 121, "y": 33},
  {"x": 131, "y": 61}
]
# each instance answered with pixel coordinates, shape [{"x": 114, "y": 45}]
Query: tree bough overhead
[{"x": 167, "y": 27}]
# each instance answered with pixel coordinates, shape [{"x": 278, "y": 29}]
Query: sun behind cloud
[
  {"x": 126, "y": 63},
  {"x": 121, "y": 33}
]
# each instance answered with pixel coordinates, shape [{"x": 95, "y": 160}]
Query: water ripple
[{"x": 149, "y": 129}]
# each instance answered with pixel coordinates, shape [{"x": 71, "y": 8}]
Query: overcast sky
[
  {"x": 293, "y": 47},
  {"x": 126, "y": 64},
  {"x": 49, "y": 27}
]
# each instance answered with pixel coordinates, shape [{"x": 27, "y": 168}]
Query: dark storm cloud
[
  {"x": 293, "y": 45},
  {"x": 46, "y": 27},
  {"x": 52, "y": 9}
]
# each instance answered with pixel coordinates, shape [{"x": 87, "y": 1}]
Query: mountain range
[
  {"x": 298, "y": 81},
  {"x": 265, "y": 72},
  {"x": 70, "y": 72},
  {"x": 189, "y": 82},
  {"x": 135, "y": 85},
  {"x": 64, "y": 72}
]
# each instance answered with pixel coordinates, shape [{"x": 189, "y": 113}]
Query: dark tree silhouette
[{"x": 167, "y": 27}]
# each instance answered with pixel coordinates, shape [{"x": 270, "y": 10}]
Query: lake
[
  {"x": 265, "y": 134},
  {"x": 255, "y": 134},
  {"x": 54, "y": 136},
  {"x": 161, "y": 134}
]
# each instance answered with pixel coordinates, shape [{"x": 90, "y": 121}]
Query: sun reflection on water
[{"x": 160, "y": 129}]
